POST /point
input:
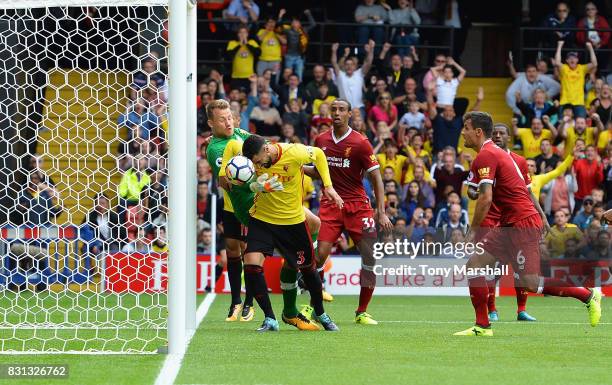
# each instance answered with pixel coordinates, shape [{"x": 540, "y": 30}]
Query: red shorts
[
  {"x": 357, "y": 218},
  {"x": 518, "y": 245}
]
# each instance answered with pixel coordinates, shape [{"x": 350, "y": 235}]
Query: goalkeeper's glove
[{"x": 263, "y": 184}]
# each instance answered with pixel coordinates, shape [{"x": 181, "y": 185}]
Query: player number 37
[{"x": 368, "y": 223}]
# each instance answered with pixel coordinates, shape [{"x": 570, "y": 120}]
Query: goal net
[{"x": 84, "y": 175}]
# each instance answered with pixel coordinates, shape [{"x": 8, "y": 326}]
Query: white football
[{"x": 239, "y": 169}]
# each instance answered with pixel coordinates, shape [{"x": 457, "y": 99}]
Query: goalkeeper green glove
[{"x": 263, "y": 184}]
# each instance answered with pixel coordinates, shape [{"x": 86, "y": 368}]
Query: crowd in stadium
[{"x": 410, "y": 112}]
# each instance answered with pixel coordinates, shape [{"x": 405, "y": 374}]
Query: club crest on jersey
[
  {"x": 347, "y": 152},
  {"x": 373, "y": 158},
  {"x": 286, "y": 167},
  {"x": 484, "y": 172},
  {"x": 219, "y": 162}
]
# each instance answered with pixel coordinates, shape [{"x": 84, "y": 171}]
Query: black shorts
[
  {"x": 292, "y": 241},
  {"x": 232, "y": 228}
]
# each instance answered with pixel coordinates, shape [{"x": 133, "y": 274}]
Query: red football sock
[
  {"x": 365, "y": 295},
  {"x": 491, "y": 297},
  {"x": 560, "y": 288},
  {"x": 521, "y": 298},
  {"x": 479, "y": 292}
]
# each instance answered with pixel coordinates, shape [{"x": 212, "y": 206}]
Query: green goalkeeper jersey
[{"x": 240, "y": 199}]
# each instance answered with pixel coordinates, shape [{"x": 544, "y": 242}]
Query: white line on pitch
[
  {"x": 173, "y": 362},
  {"x": 496, "y": 322}
]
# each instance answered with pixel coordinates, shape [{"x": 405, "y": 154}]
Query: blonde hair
[{"x": 219, "y": 104}]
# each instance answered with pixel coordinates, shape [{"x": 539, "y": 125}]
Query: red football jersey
[
  {"x": 348, "y": 157},
  {"x": 509, "y": 175}
]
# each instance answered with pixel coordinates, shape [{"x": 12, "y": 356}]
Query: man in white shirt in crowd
[{"x": 351, "y": 81}]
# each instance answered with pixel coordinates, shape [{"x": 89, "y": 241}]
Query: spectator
[
  {"x": 412, "y": 64},
  {"x": 319, "y": 78},
  {"x": 448, "y": 175},
  {"x": 138, "y": 115},
  {"x": 392, "y": 206},
  {"x": 571, "y": 250},
  {"x": 390, "y": 158},
  {"x": 603, "y": 108},
  {"x": 572, "y": 78},
  {"x": 244, "y": 11},
  {"x": 452, "y": 198},
  {"x": 383, "y": 111},
  {"x": 598, "y": 211},
  {"x": 149, "y": 77},
  {"x": 322, "y": 97},
  {"x": 395, "y": 74},
  {"x": 292, "y": 90},
  {"x": 531, "y": 138},
  {"x": 539, "y": 108},
  {"x": 547, "y": 160},
  {"x": 204, "y": 241},
  {"x": 400, "y": 229},
  {"x": 447, "y": 126},
  {"x": 140, "y": 244},
  {"x": 447, "y": 83},
  {"x": 297, "y": 42},
  {"x": 371, "y": 96},
  {"x": 414, "y": 199},
  {"x": 540, "y": 180},
  {"x": 589, "y": 174},
  {"x": 351, "y": 80},
  {"x": 287, "y": 133},
  {"x": 38, "y": 202},
  {"x": 421, "y": 176},
  {"x": 559, "y": 192},
  {"x": 242, "y": 53},
  {"x": 132, "y": 184},
  {"x": 419, "y": 226},
  {"x": 453, "y": 222},
  {"x": 590, "y": 24},
  {"x": 526, "y": 85},
  {"x": 371, "y": 17},
  {"x": 266, "y": 118},
  {"x": 157, "y": 195},
  {"x": 559, "y": 233},
  {"x": 324, "y": 118},
  {"x": 559, "y": 20},
  {"x": 407, "y": 95},
  {"x": 204, "y": 173},
  {"x": 579, "y": 131},
  {"x": 601, "y": 249},
  {"x": 400, "y": 35},
  {"x": 37, "y": 165},
  {"x": 101, "y": 230},
  {"x": 270, "y": 42},
  {"x": 297, "y": 118},
  {"x": 412, "y": 118},
  {"x": 202, "y": 119},
  {"x": 585, "y": 214},
  {"x": 160, "y": 242}
]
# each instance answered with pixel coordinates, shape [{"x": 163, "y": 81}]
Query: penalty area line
[{"x": 173, "y": 362}]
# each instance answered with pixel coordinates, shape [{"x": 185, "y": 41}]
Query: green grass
[{"x": 412, "y": 344}]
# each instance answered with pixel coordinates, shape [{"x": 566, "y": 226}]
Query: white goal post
[{"x": 66, "y": 113}]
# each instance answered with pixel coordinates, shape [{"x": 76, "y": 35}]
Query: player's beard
[{"x": 268, "y": 162}]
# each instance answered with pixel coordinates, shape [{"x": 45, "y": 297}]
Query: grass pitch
[{"x": 412, "y": 344}]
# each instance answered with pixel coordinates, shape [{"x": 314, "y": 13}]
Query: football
[{"x": 239, "y": 169}]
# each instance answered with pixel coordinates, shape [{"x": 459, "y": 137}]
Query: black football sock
[
  {"x": 234, "y": 275},
  {"x": 313, "y": 284},
  {"x": 256, "y": 284}
]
